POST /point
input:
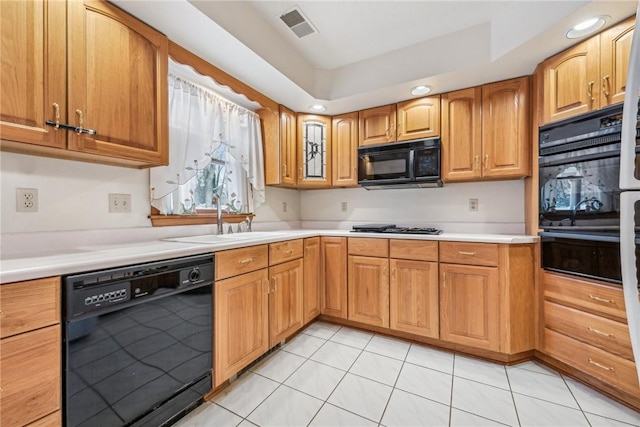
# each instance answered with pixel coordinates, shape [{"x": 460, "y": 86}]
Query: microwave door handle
[
  {"x": 630, "y": 114},
  {"x": 412, "y": 166}
]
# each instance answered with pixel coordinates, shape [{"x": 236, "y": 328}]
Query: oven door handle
[
  {"x": 583, "y": 158},
  {"x": 580, "y": 236}
]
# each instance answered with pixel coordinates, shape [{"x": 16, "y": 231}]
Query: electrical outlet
[
  {"x": 473, "y": 205},
  {"x": 26, "y": 200},
  {"x": 343, "y": 206},
  {"x": 284, "y": 206},
  {"x": 119, "y": 203}
]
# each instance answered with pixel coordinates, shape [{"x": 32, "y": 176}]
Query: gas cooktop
[{"x": 391, "y": 228}]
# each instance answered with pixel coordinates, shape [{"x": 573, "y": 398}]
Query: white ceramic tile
[
  {"x": 536, "y": 412},
  {"x": 464, "y": 419},
  {"x": 286, "y": 407},
  {"x": 246, "y": 423},
  {"x": 389, "y": 347},
  {"x": 321, "y": 330},
  {"x": 279, "y": 365},
  {"x": 434, "y": 385},
  {"x": 361, "y": 396},
  {"x": 595, "y": 403},
  {"x": 479, "y": 370},
  {"x": 352, "y": 337},
  {"x": 209, "y": 415},
  {"x": 333, "y": 416},
  {"x": 376, "y": 367},
  {"x": 542, "y": 386},
  {"x": 598, "y": 421},
  {"x": 430, "y": 357},
  {"x": 406, "y": 409},
  {"x": 315, "y": 379},
  {"x": 337, "y": 355},
  {"x": 304, "y": 345},
  {"x": 484, "y": 400},
  {"x": 535, "y": 366},
  {"x": 246, "y": 393}
]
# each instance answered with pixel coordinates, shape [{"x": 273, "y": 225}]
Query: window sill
[{"x": 206, "y": 217}]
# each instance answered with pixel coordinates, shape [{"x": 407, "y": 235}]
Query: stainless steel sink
[{"x": 218, "y": 238}]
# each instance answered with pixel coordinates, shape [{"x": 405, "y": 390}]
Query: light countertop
[{"x": 94, "y": 257}]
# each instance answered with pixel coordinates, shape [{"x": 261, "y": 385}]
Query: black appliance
[
  {"x": 391, "y": 228},
  {"x": 137, "y": 342},
  {"x": 400, "y": 164}
]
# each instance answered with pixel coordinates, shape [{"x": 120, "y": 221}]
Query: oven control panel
[{"x": 97, "y": 297}]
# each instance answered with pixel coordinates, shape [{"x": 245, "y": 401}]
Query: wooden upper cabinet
[
  {"x": 418, "y": 118},
  {"x": 344, "y": 149},
  {"x": 506, "y": 142},
  {"x": 33, "y": 72},
  {"x": 288, "y": 148},
  {"x": 461, "y": 134},
  {"x": 377, "y": 125},
  {"x": 314, "y": 151},
  {"x": 333, "y": 271},
  {"x": 615, "y": 49}
]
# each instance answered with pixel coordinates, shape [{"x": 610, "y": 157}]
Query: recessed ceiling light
[
  {"x": 587, "y": 27},
  {"x": 319, "y": 108},
  {"x": 420, "y": 90}
]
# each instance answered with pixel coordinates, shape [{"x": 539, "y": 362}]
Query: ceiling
[{"x": 370, "y": 53}]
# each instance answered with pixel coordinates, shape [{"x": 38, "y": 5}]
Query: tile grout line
[
  {"x": 513, "y": 399},
  {"x": 453, "y": 371},
  {"x": 393, "y": 388},
  {"x": 576, "y": 399}
]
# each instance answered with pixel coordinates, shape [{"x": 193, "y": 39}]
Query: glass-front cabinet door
[{"x": 314, "y": 151}]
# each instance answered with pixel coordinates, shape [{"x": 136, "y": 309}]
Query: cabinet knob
[
  {"x": 605, "y": 86},
  {"x": 80, "y": 122},
  {"x": 56, "y": 107},
  {"x": 444, "y": 280},
  {"x": 476, "y": 161},
  {"x": 486, "y": 161},
  {"x": 590, "y": 91}
]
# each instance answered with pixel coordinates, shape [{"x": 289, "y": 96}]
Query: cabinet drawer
[
  {"x": 469, "y": 253},
  {"x": 419, "y": 250},
  {"x": 285, "y": 251},
  {"x": 612, "y": 369},
  {"x": 368, "y": 247},
  {"x": 597, "y": 331},
  {"x": 29, "y": 305},
  {"x": 237, "y": 261},
  {"x": 583, "y": 294},
  {"x": 30, "y": 382}
]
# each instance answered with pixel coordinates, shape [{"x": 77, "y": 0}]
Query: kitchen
[{"x": 77, "y": 208}]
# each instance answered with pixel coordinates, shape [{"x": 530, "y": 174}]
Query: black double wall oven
[{"x": 579, "y": 193}]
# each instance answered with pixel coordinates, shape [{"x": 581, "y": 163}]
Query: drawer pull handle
[
  {"x": 245, "y": 261},
  {"x": 610, "y": 301},
  {"x": 466, "y": 253},
  {"x": 289, "y": 252},
  {"x": 595, "y": 331},
  {"x": 600, "y": 365}
]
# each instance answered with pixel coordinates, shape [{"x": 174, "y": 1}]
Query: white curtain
[{"x": 203, "y": 125}]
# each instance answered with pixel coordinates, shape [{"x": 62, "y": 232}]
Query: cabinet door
[
  {"x": 33, "y": 71},
  {"x": 333, "y": 270},
  {"x": 314, "y": 151},
  {"x": 241, "y": 322},
  {"x": 344, "y": 141},
  {"x": 571, "y": 81},
  {"x": 117, "y": 76},
  {"x": 288, "y": 148},
  {"x": 469, "y": 306},
  {"x": 285, "y": 300},
  {"x": 311, "y": 271},
  {"x": 30, "y": 381},
  {"x": 418, "y": 118},
  {"x": 377, "y": 125},
  {"x": 414, "y": 297},
  {"x": 461, "y": 135},
  {"x": 369, "y": 290},
  {"x": 615, "y": 48},
  {"x": 506, "y": 142}
]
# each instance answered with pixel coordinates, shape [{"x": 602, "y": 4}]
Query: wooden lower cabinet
[
  {"x": 51, "y": 420},
  {"x": 333, "y": 270},
  {"x": 241, "y": 322},
  {"x": 311, "y": 280},
  {"x": 30, "y": 381},
  {"x": 285, "y": 300},
  {"x": 469, "y": 301},
  {"x": 368, "y": 290},
  {"x": 414, "y": 297}
]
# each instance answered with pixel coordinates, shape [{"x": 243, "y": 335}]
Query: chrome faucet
[{"x": 216, "y": 200}]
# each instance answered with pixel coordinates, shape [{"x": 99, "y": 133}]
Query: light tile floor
[{"x": 337, "y": 376}]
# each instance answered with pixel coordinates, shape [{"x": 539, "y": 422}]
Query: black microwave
[{"x": 400, "y": 164}]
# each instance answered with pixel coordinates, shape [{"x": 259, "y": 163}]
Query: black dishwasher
[{"x": 137, "y": 344}]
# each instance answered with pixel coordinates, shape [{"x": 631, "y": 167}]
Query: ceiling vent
[{"x": 298, "y": 23}]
